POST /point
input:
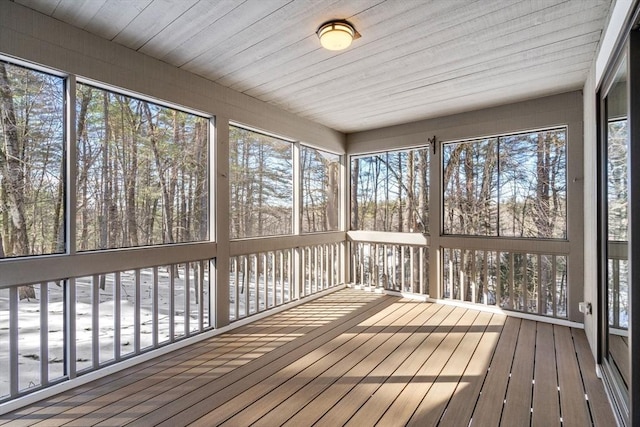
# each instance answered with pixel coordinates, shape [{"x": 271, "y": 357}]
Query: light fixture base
[{"x": 337, "y": 34}]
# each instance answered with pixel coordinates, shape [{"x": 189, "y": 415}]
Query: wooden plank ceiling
[{"x": 416, "y": 59}]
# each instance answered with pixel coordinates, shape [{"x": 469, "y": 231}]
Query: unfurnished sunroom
[{"x": 209, "y": 216}]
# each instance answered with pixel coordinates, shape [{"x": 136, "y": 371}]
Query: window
[
  {"x": 390, "y": 191},
  {"x": 320, "y": 180},
  {"x": 617, "y": 186},
  {"x": 32, "y": 152},
  {"x": 142, "y": 174},
  {"x": 261, "y": 184},
  {"x": 510, "y": 186}
]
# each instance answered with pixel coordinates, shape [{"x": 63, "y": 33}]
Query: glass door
[{"x": 615, "y": 222}]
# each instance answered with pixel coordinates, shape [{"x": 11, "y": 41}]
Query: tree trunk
[
  {"x": 11, "y": 167},
  {"x": 423, "y": 189},
  {"x": 131, "y": 177},
  {"x": 400, "y": 206},
  {"x": 13, "y": 176},
  {"x": 164, "y": 185},
  {"x": 333, "y": 194},
  {"x": 83, "y": 167},
  {"x": 542, "y": 187},
  {"x": 106, "y": 178},
  {"x": 411, "y": 209},
  {"x": 355, "y": 171}
]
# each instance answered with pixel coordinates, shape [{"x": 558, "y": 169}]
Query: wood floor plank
[
  {"x": 461, "y": 404},
  {"x": 434, "y": 402},
  {"x": 290, "y": 399},
  {"x": 412, "y": 394},
  {"x": 248, "y": 406},
  {"x": 365, "y": 387},
  {"x": 201, "y": 394},
  {"x": 352, "y": 358},
  {"x": 314, "y": 316},
  {"x": 601, "y": 412},
  {"x": 517, "y": 407},
  {"x": 331, "y": 395},
  {"x": 488, "y": 410},
  {"x": 573, "y": 405},
  {"x": 291, "y": 321},
  {"x": 216, "y": 361},
  {"x": 375, "y": 407},
  {"x": 546, "y": 407},
  {"x": 96, "y": 398}
]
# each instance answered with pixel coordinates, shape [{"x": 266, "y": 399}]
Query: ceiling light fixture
[{"x": 337, "y": 35}]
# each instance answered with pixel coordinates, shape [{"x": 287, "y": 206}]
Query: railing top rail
[
  {"x": 276, "y": 243},
  {"x": 411, "y": 239},
  {"x": 28, "y": 270}
]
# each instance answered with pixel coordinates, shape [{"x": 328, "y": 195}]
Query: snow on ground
[{"x": 29, "y": 323}]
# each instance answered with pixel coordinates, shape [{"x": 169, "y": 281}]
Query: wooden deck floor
[{"x": 357, "y": 359}]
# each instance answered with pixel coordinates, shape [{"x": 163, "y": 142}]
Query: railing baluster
[
  {"x": 70, "y": 321},
  {"x": 200, "y": 270},
  {"x": 317, "y": 277},
  {"x": 136, "y": 315},
  {"x": 117, "y": 312},
  {"x": 256, "y": 283},
  {"x": 282, "y": 276},
  {"x": 272, "y": 258},
  {"x": 464, "y": 277},
  {"x": 13, "y": 341},
  {"x": 236, "y": 292},
  {"x": 554, "y": 280},
  {"x": 95, "y": 321},
  {"x": 474, "y": 277},
  {"x": 187, "y": 300},
  {"x": 403, "y": 269},
  {"x": 411, "y": 270},
  {"x": 361, "y": 263},
  {"x": 264, "y": 275},
  {"x": 155, "y": 327},
  {"x": 325, "y": 266},
  {"x": 44, "y": 333},
  {"x": 616, "y": 292},
  {"x": 485, "y": 280},
  {"x": 172, "y": 303},
  {"x": 498, "y": 279},
  {"x": 246, "y": 277},
  {"x": 511, "y": 282}
]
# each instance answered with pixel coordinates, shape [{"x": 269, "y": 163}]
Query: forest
[
  {"x": 141, "y": 169},
  {"x": 511, "y": 186},
  {"x": 390, "y": 191},
  {"x": 32, "y": 157},
  {"x": 261, "y": 186}
]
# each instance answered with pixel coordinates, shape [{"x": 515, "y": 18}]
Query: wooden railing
[
  {"x": 490, "y": 271},
  {"x": 260, "y": 281},
  {"x": 57, "y": 330},
  {"x": 527, "y": 282},
  {"x": 279, "y": 275},
  {"x": 618, "y": 268}
]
